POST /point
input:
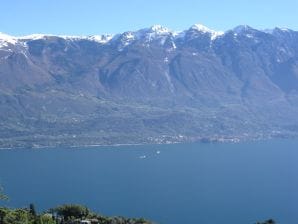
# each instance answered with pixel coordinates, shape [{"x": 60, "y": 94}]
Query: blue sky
[{"x": 88, "y": 17}]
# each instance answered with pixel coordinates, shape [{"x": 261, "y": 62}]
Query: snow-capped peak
[
  {"x": 126, "y": 39},
  {"x": 4, "y": 38},
  {"x": 159, "y": 29},
  {"x": 242, "y": 28},
  {"x": 203, "y": 29},
  {"x": 283, "y": 29},
  {"x": 128, "y": 35},
  {"x": 155, "y": 32}
]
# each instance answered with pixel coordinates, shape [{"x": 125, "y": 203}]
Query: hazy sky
[{"x": 87, "y": 17}]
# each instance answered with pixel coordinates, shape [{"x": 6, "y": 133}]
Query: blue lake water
[{"x": 184, "y": 183}]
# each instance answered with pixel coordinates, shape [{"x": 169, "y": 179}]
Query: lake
[{"x": 169, "y": 184}]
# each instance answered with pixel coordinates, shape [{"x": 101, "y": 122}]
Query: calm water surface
[{"x": 170, "y": 184}]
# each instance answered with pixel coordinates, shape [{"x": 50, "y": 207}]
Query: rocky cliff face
[{"x": 148, "y": 86}]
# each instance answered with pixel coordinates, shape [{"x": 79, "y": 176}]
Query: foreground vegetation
[
  {"x": 65, "y": 214},
  {"x": 68, "y": 214}
]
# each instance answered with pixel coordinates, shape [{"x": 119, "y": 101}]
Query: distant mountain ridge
[{"x": 153, "y": 85}]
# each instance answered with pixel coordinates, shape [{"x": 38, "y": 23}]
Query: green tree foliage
[
  {"x": 71, "y": 211},
  {"x": 46, "y": 219},
  {"x": 67, "y": 214},
  {"x": 3, "y": 212},
  {"x": 23, "y": 216},
  {"x": 17, "y": 216}
]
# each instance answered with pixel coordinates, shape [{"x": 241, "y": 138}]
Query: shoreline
[{"x": 201, "y": 141}]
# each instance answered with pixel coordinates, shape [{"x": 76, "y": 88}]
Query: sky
[{"x": 90, "y": 17}]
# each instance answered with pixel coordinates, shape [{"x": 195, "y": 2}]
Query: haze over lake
[{"x": 169, "y": 184}]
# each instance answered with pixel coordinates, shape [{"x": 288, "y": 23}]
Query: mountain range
[{"x": 153, "y": 85}]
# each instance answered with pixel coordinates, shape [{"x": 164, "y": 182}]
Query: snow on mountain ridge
[
  {"x": 201, "y": 28},
  {"x": 97, "y": 38},
  {"x": 5, "y": 39},
  {"x": 101, "y": 38},
  {"x": 33, "y": 36},
  {"x": 159, "y": 29},
  {"x": 241, "y": 28},
  {"x": 155, "y": 32}
]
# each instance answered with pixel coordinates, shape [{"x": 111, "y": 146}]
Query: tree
[
  {"x": 32, "y": 210},
  {"x": 3, "y": 212},
  {"x": 2, "y": 195},
  {"x": 46, "y": 219},
  {"x": 71, "y": 211},
  {"x": 17, "y": 216}
]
